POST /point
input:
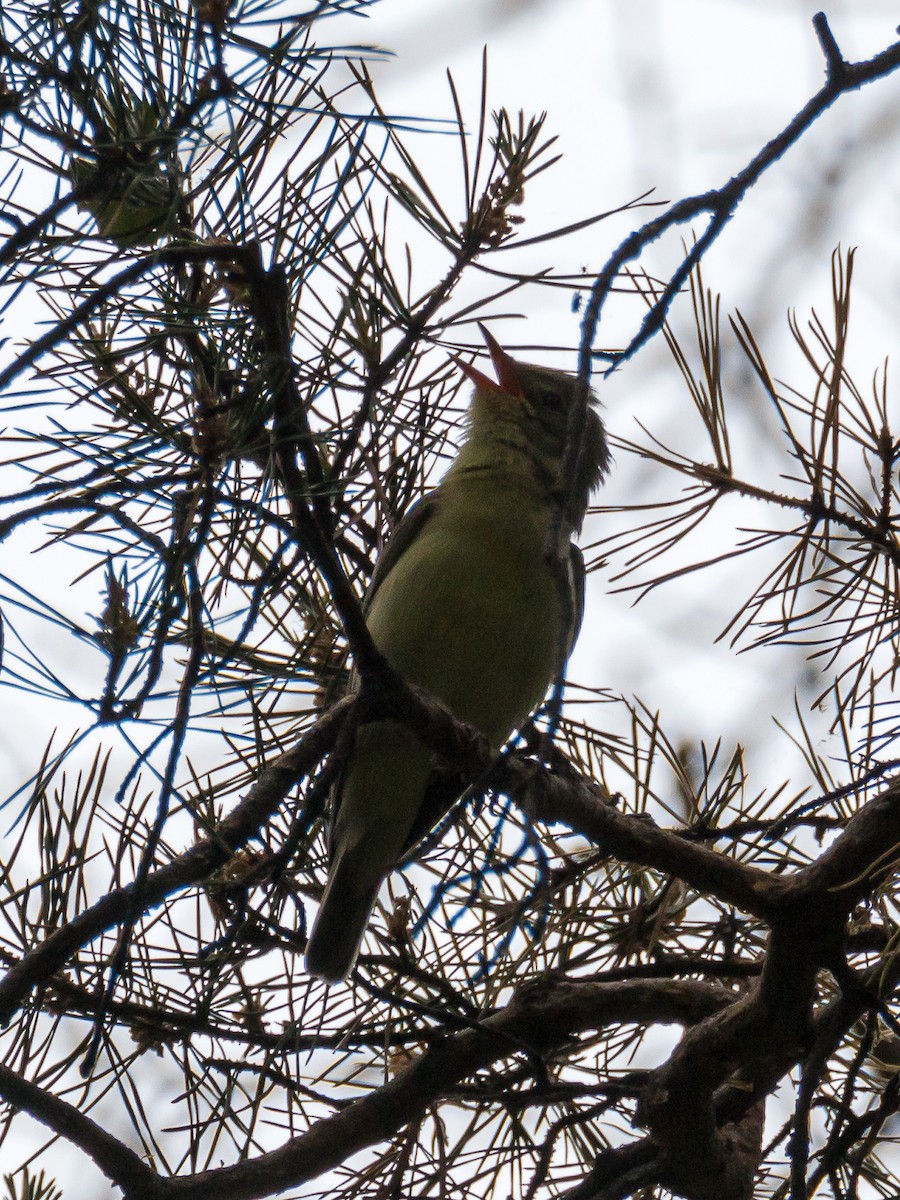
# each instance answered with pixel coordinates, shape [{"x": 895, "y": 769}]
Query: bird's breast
[{"x": 472, "y": 612}]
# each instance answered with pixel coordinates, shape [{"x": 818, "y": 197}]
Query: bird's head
[{"x": 538, "y": 402}]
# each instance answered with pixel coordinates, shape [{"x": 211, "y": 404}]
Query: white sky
[
  {"x": 674, "y": 96},
  {"x": 677, "y": 96}
]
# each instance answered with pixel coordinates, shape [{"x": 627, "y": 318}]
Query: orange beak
[{"x": 507, "y": 374}]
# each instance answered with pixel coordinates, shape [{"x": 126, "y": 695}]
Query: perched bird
[
  {"x": 131, "y": 186},
  {"x": 467, "y": 602}
]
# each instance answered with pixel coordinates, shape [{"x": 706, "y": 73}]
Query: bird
[
  {"x": 477, "y": 597},
  {"x": 131, "y": 184}
]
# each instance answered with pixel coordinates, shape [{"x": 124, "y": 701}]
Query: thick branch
[
  {"x": 192, "y": 867},
  {"x": 539, "y": 1018},
  {"x": 118, "y": 1163}
]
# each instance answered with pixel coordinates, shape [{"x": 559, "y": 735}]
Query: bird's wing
[
  {"x": 411, "y": 525},
  {"x": 576, "y": 586}
]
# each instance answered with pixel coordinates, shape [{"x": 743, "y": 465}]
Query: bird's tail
[
  {"x": 342, "y": 919},
  {"x": 377, "y": 802}
]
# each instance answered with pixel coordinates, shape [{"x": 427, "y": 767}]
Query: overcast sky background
[
  {"x": 675, "y": 97},
  {"x": 670, "y": 97}
]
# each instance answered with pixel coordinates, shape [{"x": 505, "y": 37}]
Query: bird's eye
[{"x": 551, "y": 399}]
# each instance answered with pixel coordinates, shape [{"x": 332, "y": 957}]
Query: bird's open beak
[{"x": 507, "y": 375}]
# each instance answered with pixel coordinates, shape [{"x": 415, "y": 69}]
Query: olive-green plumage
[{"x": 465, "y": 604}]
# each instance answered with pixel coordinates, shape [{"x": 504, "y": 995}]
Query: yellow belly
[{"x": 472, "y": 613}]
